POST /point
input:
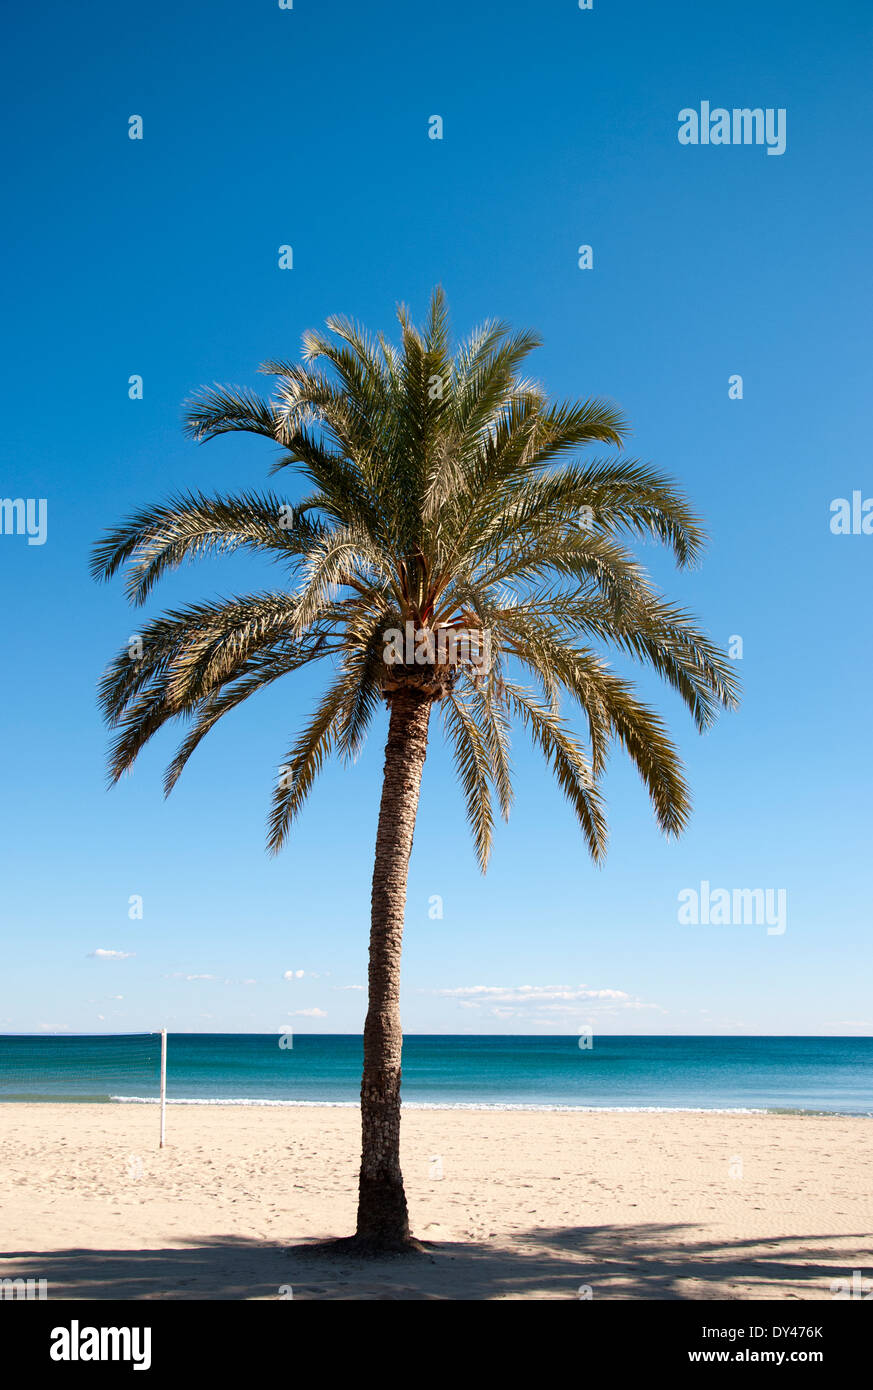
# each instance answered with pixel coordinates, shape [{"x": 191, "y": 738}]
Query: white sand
[{"x": 530, "y": 1205}]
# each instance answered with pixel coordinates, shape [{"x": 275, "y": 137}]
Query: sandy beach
[{"x": 528, "y": 1205}]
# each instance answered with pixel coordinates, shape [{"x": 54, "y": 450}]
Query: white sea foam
[{"x": 463, "y": 1105}]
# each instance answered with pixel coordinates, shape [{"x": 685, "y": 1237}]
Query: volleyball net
[{"x": 81, "y": 1069}]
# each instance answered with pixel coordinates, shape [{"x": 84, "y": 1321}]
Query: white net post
[{"x": 163, "y": 1084}]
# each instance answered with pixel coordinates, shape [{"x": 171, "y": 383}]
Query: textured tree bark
[{"x": 383, "y": 1222}]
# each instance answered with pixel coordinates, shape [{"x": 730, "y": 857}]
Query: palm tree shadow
[{"x": 614, "y": 1262}]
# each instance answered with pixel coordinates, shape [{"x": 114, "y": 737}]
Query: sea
[{"x": 829, "y": 1075}]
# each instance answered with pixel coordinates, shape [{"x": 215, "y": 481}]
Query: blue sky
[{"x": 158, "y": 257}]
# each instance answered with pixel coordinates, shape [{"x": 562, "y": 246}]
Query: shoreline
[{"x": 487, "y": 1107}]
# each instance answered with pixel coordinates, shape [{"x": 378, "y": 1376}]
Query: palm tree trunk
[{"x": 383, "y": 1222}]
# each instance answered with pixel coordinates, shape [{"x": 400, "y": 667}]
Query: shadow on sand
[{"x": 644, "y": 1262}]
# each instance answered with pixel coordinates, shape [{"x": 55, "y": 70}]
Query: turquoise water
[{"x": 808, "y": 1074}]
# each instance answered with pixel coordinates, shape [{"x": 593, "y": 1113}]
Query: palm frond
[{"x": 440, "y": 488}]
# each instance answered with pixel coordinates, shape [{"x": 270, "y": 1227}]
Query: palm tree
[{"x": 445, "y": 522}]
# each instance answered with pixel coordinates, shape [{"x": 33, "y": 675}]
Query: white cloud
[
  {"x": 309, "y": 1013},
  {"x": 293, "y": 975},
  {"x": 101, "y": 954},
  {"x": 565, "y": 1001},
  {"x": 524, "y": 994},
  {"x": 348, "y": 986}
]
